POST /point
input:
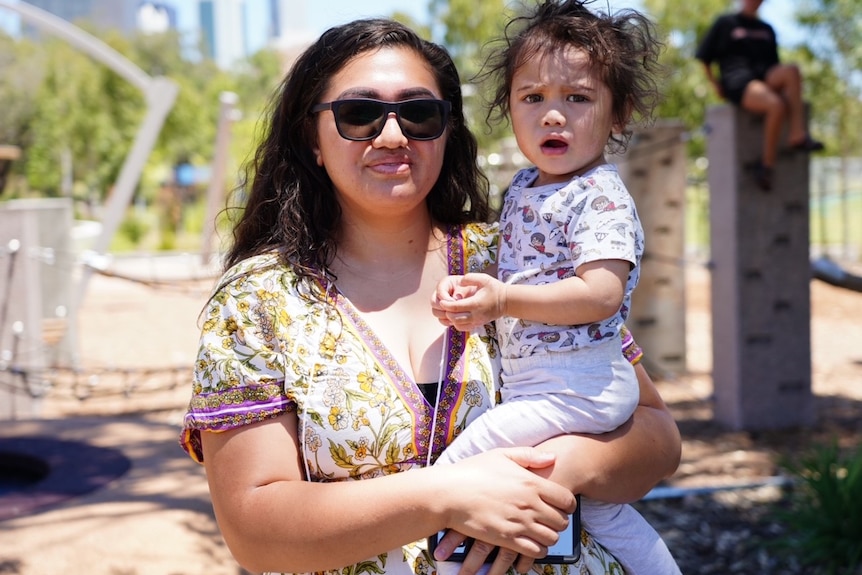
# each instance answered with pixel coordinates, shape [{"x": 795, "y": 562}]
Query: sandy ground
[{"x": 135, "y": 343}]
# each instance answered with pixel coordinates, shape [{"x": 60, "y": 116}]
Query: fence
[{"x": 835, "y": 208}]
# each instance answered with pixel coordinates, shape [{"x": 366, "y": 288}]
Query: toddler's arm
[{"x": 595, "y": 293}]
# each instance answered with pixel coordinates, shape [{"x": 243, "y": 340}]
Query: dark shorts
[{"x": 734, "y": 82}]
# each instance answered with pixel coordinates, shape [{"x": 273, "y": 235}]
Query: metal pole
[{"x": 228, "y": 114}]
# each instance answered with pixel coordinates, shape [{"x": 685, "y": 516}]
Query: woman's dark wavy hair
[
  {"x": 623, "y": 47},
  {"x": 291, "y": 206}
]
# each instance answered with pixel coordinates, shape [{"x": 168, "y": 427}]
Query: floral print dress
[{"x": 268, "y": 346}]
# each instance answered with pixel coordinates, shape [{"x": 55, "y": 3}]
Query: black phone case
[{"x": 557, "y": 558}]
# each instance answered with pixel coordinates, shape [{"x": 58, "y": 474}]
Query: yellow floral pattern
[{"x": 268, "y": 347}]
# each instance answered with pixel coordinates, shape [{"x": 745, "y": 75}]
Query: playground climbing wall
[
  {"x": 761, "y": 275},
  {"x": 654, "y": 170}
]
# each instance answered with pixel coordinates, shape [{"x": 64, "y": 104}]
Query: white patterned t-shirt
[{"x": 547, "y": 232}]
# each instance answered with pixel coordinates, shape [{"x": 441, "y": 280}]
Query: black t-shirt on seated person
[{"x": 744, "y": 48}]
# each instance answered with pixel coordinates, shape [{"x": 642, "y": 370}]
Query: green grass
[{"x": 824, "y": 519}]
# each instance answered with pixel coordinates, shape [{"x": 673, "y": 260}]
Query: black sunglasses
[{"x": 361, "y": 119}]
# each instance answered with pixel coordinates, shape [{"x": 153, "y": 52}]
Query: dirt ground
[
  {"x": 713, "y": 455},
  {"x": 136, "y": 340}
]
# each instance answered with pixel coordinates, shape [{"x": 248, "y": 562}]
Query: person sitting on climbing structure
[{"x": 752, "y": 77}]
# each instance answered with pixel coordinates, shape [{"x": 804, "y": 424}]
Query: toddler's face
[{"x": 561, "y": 113}]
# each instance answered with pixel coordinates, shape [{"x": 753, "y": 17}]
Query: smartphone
[{"x": 567, "y": 549}]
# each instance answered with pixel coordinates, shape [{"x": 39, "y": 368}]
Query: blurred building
[
  {"x": 223, "y": 26},
  {"x": 290, "y": 34},
  {"x": 232, "y": 30},
  {"x": 227, "y": 31},
  {"x": 125, "y": 15}
]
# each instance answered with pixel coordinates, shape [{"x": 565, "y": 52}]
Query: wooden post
[
  {"x": 7, "y": 155},
  {"x": 654, "y": 170},
  {"x": 760, "y": 280}
]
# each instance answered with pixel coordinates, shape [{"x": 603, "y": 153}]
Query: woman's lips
[{"x": 391, "y": 165}]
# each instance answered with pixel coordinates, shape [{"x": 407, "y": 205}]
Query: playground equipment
[
  {"x": 827, "y": 270},
  {"x": 7, "y": 155},
  {"x": 22, "y": 233},
  {"x": 159, "y": 93},
  {"x": 228, "y": 114},
  {"x": 654, "y": 169},
  {"x": 761, "y": 275}
]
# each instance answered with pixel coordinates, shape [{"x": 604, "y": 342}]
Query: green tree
[
  {"x": 84, "y": 112},
  {"x": 21, "y": 74},
  {"x": 835, "y": 48},
  {"x": 189, "y": 129},
  {"x": 470, "y": 30},
  {"x": 687, "y": 93},
  {"x": 834, "y": 85},
  {"x": 466, "y": 26}
]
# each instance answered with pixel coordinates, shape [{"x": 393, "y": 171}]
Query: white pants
[{"x": 592, "y": 390}]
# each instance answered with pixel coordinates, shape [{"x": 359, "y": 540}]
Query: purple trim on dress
[
  {"x": 454, "y": 385},
  {"x": 226, "y": 417},
  {"x": 229, "y": 409},
  {"x": 403, "y": 385},
  {"x": 631, "y": 350}
]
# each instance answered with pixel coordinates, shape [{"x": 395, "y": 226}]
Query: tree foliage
[
  {"x": 687, "y": 93},
  {"x": 23, "y": 62},
  {"x": 468, "y": 29},
  {"x": 83, "y": 112},
  {"x": 833, "y": 52},
  {"x": 76, "y": 119}
]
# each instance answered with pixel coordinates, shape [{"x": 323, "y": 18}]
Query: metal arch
[{"x": 160, "y": 94}]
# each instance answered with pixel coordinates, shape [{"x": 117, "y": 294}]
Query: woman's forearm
[
  {"x": 623, "y": 465},
  {"x": 273, "y": 520}
]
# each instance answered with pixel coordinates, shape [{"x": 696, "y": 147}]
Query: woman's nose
[{"x": 391, "y": 135}]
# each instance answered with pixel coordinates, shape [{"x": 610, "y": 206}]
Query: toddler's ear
[{"x": 622, "y": 120}]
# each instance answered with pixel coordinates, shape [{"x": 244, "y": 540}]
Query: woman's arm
[
  {"x": 623, "y": 465},
  {"x": 274, "y": 520}
]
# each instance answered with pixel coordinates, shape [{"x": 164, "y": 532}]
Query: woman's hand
[
  {"x": 503, "y": 525},
  {"x": 494, "y": 497},
  {"x": 519, "y": 510},
  {"x": 479, "y": 552}
]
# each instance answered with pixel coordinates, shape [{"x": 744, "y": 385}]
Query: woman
[{"x": 309, "y": 409}]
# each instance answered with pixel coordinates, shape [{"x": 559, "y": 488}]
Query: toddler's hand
[
  {"x": 470, "y": 301},
  {"x": 449, "y": 289}
]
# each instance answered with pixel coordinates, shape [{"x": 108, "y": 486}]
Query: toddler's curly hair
[{"x": 623, "y": 47}]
